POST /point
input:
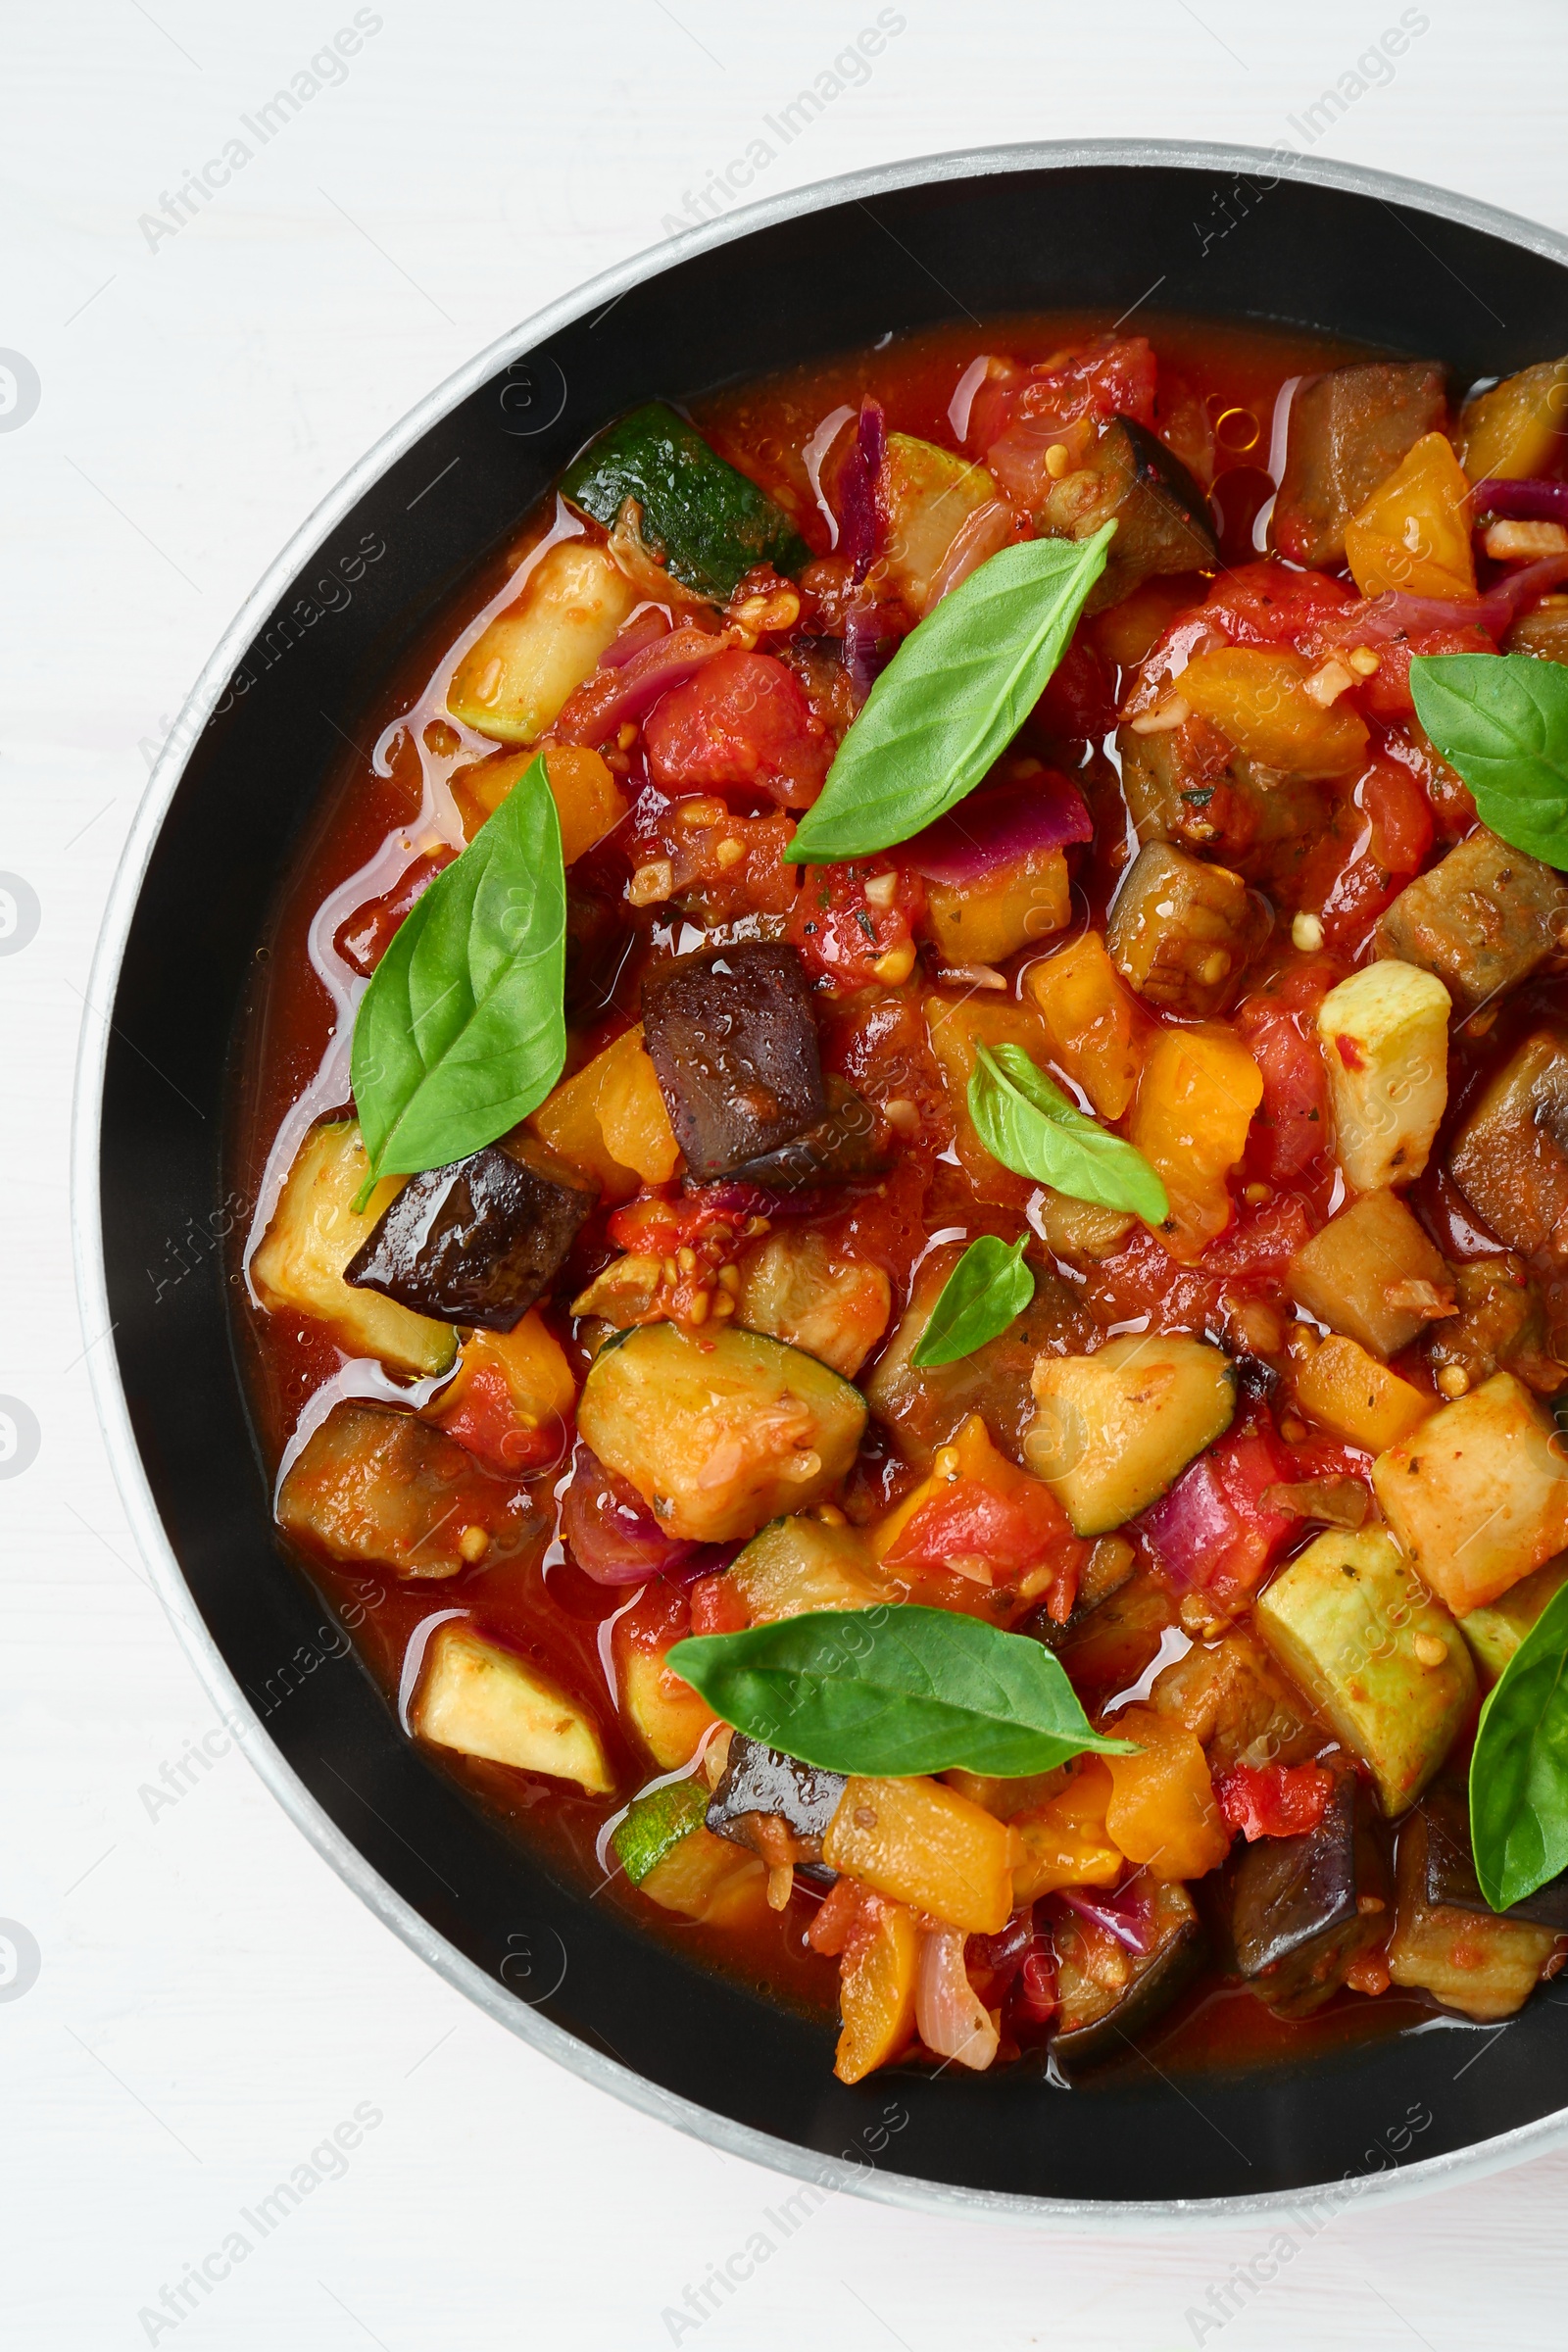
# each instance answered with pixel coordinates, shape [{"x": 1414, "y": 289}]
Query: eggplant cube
[
  {"x": 1477, "y": 1495},
  {"x": 1349, "y": 430},
  {"x": 1382, "y": 1662},
  {"x": 733, "y": 1043},
  {"x": 1510, "y": 1156},
  {"x": 761, "y": 1783},
  {"x": 1448, "y": 1862},
  {"x": 1482, "y": 920},
  {"x": 1298, "y": 1909},
  {"x": 376, "y": 1486},
  {"x": 1162, "y": 520},
  {"x": 1182, "y": 931},
  {"x": 1108, "y": 1993},
  {"x": 1468, "y": 1957},
  {"x": 480, "y": 1241},
  {"x": 1384, "y": 1038}
]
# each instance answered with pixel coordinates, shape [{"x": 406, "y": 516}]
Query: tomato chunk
[
  {"x": 743, "y": 720},
  {"x": 1273, "y": 1800},
  {"x": 1387, "y": 693},
  {"x": 855, "y": 924},
  {"x": 1290, "y": 1128},
  {"x": 1010, "y": 1532}
]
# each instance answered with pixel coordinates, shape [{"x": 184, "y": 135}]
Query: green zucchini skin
[
  {"x": 656, "y": 1823},
  {"x": 710, "y": 522}
]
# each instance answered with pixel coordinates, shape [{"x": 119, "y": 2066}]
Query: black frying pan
[{"x": 1224, "y": 234}]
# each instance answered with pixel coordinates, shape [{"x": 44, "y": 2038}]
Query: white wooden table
[{"x": 209, "y": 2004}]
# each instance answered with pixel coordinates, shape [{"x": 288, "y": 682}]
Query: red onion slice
[
  {"x": 952, "y": 2019},
  {"x": 1531, "y": 499},
  {"x": 859, "y": 523},
  {"x": 645, "y": 628},
  {"x": 1128, "y": 1920},
  {"x": 1375, "y": 619},
  {"x": 993, "y": 827},
  {"x": 608, "y": 1531},
  {"x": 611, "y": 697},
  {"x": 979, "y": 536}
]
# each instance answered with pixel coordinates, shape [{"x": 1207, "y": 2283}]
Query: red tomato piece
[
  {"x": 742, "y": 721},
  {"x": 1392, "y": 834},
  {"x": 844, "y": 936},
  {"x": 1010, "y": 1532},
  {"x": 654, "y": 1227},
  {"x": 485, "y": 1421},
  {"x": 1290, "y": 1129},
  {"x": 716, "y": 1607},
  {"x": 1273, "y": 1800},
  {"x": 1215, "y": 1528},
  {"x": 1264, "y": 603},
  {"x": 1080, "y": 698},
  {"x": 364, "y": 936},
  {"x": 1387, "y": 693},
  {"x": 1112, "y": 376}
]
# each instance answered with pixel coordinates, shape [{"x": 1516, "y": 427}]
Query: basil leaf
[
  {"x": 1519, "y": 1765},
  {"x": 1026, "y": 1121},
  {"x": 1502, "y": 720},
  {"x": 987, "y": 1287},
  {"x": 462, "y": 1031},
  {"x": 953, "y": 698},
  {"x": 894, "y": 1691}
]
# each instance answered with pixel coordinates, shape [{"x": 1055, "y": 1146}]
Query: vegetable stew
[{"x": 908, "y": 1148}]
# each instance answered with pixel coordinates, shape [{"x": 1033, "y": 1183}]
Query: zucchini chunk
[
  {"x": 481, "y": 1241},
  {"x": 926, "y": 495},
  {"x": 1477, "y": 1496},
  {"x": 1482, "y": 920},
  {"x": 794, "y": 1289},
  {"x": 1509, "y": 1158},
  {"x": 512, "y": 683},
  {"x": 316, "y": 1233},
  {"x": 1109, "y": 1995},
  {"x": 380, "y": 1487},
  {"x": 1297, "y": 1910},
  {"x": 664, "y": 1712},
  {"x": 718, "y": 1434},
  {"x": 798, "y": 1565},
  {"x": 487, "y": 1701},
  {"x": 923, "y": 1409},
  {"x": 1233, "y": 1698},
  {"x": 1366, "y": 1273},
  {"x": 1113, "y": 1430},
  {"x": 733, "y": 1043},
  {"x": 1352, "y": 1624},
  {"x": 1496, "y": 1631},
  {"x": 1384, "y": 1038},
  {"x": 656, "y": 1822},
  {"x": 710, "y": 524},
  {"x": 1183, "y": 931},
  {"x": 1162, "y": 520},
  {"x": 1347, "y": 432},
  {"x": 920, "y": 1843},
  {"x": 1471, "y": 1959},
  {"x": 773, "y": 1803}
]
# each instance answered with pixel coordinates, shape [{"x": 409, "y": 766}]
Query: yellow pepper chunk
[
  {"x": 1065, "y": 1841},
  {"x": 876, "y": 1989},
  {"x": 922, "y": 1843},
  {"x": 1413, "y": 533},
  {"x": 588, "y": 800},
  {"x": 1163, "y": 1811},
  {"x": 1258, "y": 695},
  {"x": 610, "y": 1119},
  {"x": 1091, "y": 1021},
  {"x": 1358, "y": 1398},
  {"x": 1195, "y": 1101}
]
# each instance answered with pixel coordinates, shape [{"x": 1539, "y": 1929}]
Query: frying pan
[{"x": 1228, "y": 233}]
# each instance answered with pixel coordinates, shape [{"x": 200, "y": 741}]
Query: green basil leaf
[
  {"x": 953, "y": 698},
  {"x": 1502, "y": 720},
  {"x": 462, "y": 1031},
  {"x": 987, "y": 1287},
  {"x": 894, "y": 1691},
  {"x": 1026, "y": 1121},
  {"x": 1519, "y": 1765}
]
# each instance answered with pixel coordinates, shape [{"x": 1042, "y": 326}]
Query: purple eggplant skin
[
  {"x": 734, "y": 1047},
  {"x": 1156, "y": 1980},
  {"x": 1449, "y": 1869},
  {"x": 481, "y": 1241},
  {"x": 841, "y": 1149},
  {"x": 1296, "y": 1910},
  {"x": 761, "y": 1779}
]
